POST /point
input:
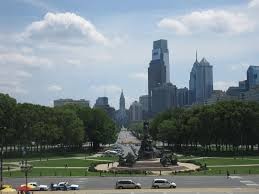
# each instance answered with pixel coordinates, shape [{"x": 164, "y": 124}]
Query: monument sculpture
[{"x": 146, "y": 151}]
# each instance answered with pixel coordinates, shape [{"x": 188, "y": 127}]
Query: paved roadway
[
  {"x": 181, "y": 181},
  {"x": 127, "y": 142},
  {"x": 161, "y": 191}
]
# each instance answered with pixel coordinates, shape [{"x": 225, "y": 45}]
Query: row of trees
[
  {"x": 227, "y": 125},
  {"x": 70, "y": 125}
]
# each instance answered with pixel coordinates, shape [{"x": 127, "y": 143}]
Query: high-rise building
[
  {"x": 201, "y": 81},
  {"x": 121, "y": 114},
  {"x": 252, "y": 76},
  {"x": 158, "y": 71},
  {"x": 62, "y": 102},
  {"x": 143, "y": 100},
  {"x": 135, "y": 112},
  {"x": 103, "y": 103},
  {"x": 182, "y": 97},
  {"x": 164, "y": 97},
  {"x": 243, "y": 85},
  {"x": 122, "y": 101}
]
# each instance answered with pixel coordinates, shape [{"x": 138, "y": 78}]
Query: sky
[{"x": 83, "y": 49}]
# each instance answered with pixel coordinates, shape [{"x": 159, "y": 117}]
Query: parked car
[
  {"x": 64, "y": 186},
  {"x": 127, "y": 184},
  {"x": 36, "y": 187},
  {"x": 111, "y": 152},
  {"x": 162, "y": 183}
]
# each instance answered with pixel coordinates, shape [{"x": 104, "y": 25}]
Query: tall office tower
[
  {"x": 143, "y": 100},
  {"x": 182, "y": 97},
  {"x": 252, "y": 76},
  {"x": 158, "y": 71},
  {"x": 201, "y": 81},
  {"x": 122, "y": 101},
  {"x": 164, "y": 97},
  {"x": 135, "y": 112},
  {"x": 121, "y": 116},
  {"x": 192, "y": 82},
  {"x": 103, "y": 103}
]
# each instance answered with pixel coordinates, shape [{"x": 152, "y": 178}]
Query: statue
[{"x": 146, "y": 150}]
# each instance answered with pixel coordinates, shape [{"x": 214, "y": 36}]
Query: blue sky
[{"x": 84, "y": 49}]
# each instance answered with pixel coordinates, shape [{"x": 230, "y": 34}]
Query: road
[
  {"x": 181, "y": 181},
  {"x": 127, "y": 142}
]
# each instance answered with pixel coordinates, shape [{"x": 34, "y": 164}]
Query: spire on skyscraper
[
  {"x": 122, "y": 101},
  {"x": 196, "y": 55}
]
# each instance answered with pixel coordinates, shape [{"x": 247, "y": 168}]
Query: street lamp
[
  {"x": 2, "y": 155},
  {"x": 24, "y": 166}
]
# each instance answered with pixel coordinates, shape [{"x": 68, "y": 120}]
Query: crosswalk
[{"x": 243, "y": 180}]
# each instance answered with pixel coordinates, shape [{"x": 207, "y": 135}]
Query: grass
[
  {"x": 64, "y": 162},
  {"x": 61, "y": 173},
  {"x": 49, "y": 156},
  {"x": 223, "y": 171},
  {"x": 227, "y": 161}
]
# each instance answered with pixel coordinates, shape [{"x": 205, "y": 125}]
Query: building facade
[
  {"x": 103, "y": 103},
  {"x": 62, "y": 102},
  {"x": 158, "y": 71},
  {"x": 182, "y": 97},
  {"x": 164, "y": 97},
  {"x": 252, "y": 76},
  {"x": 135, "y": 112},
  {"x": 121, "y": 114},
  {"x": 201, "y": 81}
]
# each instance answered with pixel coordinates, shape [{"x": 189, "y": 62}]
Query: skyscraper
[
  {"x": 164, "y": 97},
  {"x": 135, "y": 112},
  {"x": 201, "y": 81},
  {"x": 252, "y": 76},
  {"x": 121, "y": 116},
  {"x": 122, "y": 101},
  {"x": 158, "y": 71},
  {"x": 182, "y": 97}
]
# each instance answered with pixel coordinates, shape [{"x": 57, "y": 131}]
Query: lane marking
[
  {"x": 247, "y": 182},
  {"x": 252, "y": 184},
  {"x": 235, "y": 177}
]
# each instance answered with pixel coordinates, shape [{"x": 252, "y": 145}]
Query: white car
[
  {"x": 37, "y": 187},
  {"x": 64, "y": 186},
  {"x": 162, "y": 183},
  {"x": 111, "y": 152}
]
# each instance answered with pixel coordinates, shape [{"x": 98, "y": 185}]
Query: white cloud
[
  {"x": 223, "y": 85},
  {"x": 11, "y": 59},
  {"x": 139, "y": 76},
  {"x": 11, "y": 86},
  {"x": 253, "y": 3},
  {"x": 55, "y": 88},
  {"x": 23, "y": 74},
  {"x": 64, "y": 27},
  {"x": 175, "y": 25},
  {"x": 217, "y": 21}
]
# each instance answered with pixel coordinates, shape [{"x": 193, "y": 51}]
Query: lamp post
[
  {"x": 24, "y": 166},
  {"x": 2, "y": 155}
]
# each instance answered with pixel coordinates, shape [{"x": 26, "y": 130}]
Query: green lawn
[
  {"x": 223, "y": 171},
  {"x": 64, "y": 162},
  {"x": 61, "y": 172},
  {"x": 227, "y": 161},
  {"x": 49, "y": 156}
]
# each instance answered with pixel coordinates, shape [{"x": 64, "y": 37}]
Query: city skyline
[{"x": 106, "y": 46}]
